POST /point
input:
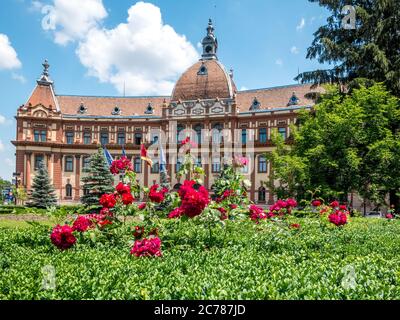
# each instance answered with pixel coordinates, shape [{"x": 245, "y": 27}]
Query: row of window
[{"x": 41, "y": 136}]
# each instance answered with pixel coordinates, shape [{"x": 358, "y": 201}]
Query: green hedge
[
  {"x": 12, "y": 209},
  {"x": 249, "y": 261}
]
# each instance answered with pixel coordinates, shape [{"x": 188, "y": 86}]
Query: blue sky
[{"x": 91, "y": 52}]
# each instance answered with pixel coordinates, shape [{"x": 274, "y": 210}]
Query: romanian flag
[{"x": 144, "y": 156}]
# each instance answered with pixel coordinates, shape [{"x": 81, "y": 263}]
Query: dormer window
[
  {"x": 116, "y": 111},
  {"x": 202, "y": 70},
  {"x": 255, "y": 105},
  {"x": 293, "y": 100},
  {"x": 149, "y": 109},
  {"x": 82, "y": 108}
]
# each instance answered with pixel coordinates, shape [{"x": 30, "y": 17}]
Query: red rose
[
  {"x": 106, "y": 212},
  {"x": 142, "y": 206},
  {"x": 257, "y": 213},
  {"x": 343, "y": 207},
  {"x": 338, "y": 218},
  {"x": 127, "y": 198},
  {"x": 291, "y": 203},
  {"x": 316, "y": 203},
  {"x": 177, "y": 213},
  {"x": 62, "y": 237},
  {"x": 295, "y": 226},
  {"x": 147, "y": 248},
  {"x": 193, "y": 201},
  {"x": 108, "y": 201},
  {"x": 157, "y": 196},
  {"x": 122, "y": 164},
  {"x": 82, "y": 224},
  {"x": 389, "y": 216},
  {"x": 334, "y": 204},
  {"x": 122, "y": 188},
  {"x": 233, "y": 206}
]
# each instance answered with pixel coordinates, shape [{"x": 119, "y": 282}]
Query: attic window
[
  {"x": 82, "y": 109},
  {"x": 149, "y": 109},
  {"x": 203, "y": 70},
  {"x": 293, "y": 100},
  {"x": 116, "y": 111},
  {"x": 255, "y": 105}
]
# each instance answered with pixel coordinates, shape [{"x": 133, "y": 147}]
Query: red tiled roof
[
  {"x": 104, "y": 106},
  {"x": 278, "y": 97},
  {"x": 42, "y": 95}
]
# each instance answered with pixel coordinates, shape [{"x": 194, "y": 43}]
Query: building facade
[{"x": 63, "y": 131}]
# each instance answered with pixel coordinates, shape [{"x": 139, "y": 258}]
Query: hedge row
[{"x": 247, "y": 262}]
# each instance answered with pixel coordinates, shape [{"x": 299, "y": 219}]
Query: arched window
[
  {"x": 261, "y": 194},
  {"x": 198, "y": 129},
  {"x": 68, "y": 191},
  {"x": 217, "y": 133}
]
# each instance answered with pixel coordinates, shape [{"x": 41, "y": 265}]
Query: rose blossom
[
  {"x": 316, "y": 203},
  {"x": 108, "y": 201},
  {"x": 127, "y": 198},
  {"x": 147, "y": 248},
  {"x": 157, "y": 196},
  {"x": 82, "y": 224},
  {"x": 122, "y": 188},
  {"x": 62, "y": 237},
  {"x": 338, "y": 218}
]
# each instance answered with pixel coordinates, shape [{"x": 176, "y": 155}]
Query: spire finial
[
  {"x": 45, "y": 77},
  {"x": 210, "y": 43}
]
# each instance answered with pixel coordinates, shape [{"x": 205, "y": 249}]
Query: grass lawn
[{"x": 248, "y": 261}]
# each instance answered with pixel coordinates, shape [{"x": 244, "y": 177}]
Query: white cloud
[
  {"x": 8, "y": 56},
  {"x": 2, "y": 119},
  {"x": 243, "y": 88},
  {"x": 301, "y": 24},
  {"x": 18, "y": 77},
  {"x": 144, "y": 53},
  {"x": 294, "y": 50},
  {"x": 279, "y": 62},
  {"x": 71, "y": 20},
  {"x": 1, "y": 146}
]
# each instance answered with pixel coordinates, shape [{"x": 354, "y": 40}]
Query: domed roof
[{"x": 206, "y": 79}]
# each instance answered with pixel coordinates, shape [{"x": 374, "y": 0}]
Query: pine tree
[
  {"x": 370, "y": 51},
  {"x": 98, "y": 179},
  {"x": 43, "y": 192}
]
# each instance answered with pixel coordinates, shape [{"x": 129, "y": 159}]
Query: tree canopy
[
  {"x": 348, "y": 142},
  {"x": 371, "y": 50}
]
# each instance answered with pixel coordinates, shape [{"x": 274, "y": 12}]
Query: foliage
[
  {"x": 347, "y": 143},
  {"x": 97, "y": 180},
  {"x": 249, "y": 261},
  {"x": 43, "y": 192},
  {"x": 371, "y": 51}
]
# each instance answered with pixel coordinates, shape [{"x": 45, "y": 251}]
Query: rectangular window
[
  {"x": 138, "y": 165},
  {"x": 87, "y": 137},
  {"x": 69, "y": 164},
  {"x": 121, "y": 138},
  {"x": 244, "y": 136},
  {"x": 262, "y": 135},
  {"x": 69, "y": 137},
  {"x": 154, "y": 139},
  {"x": 216, "y": 166},
  {"x": 40, "y": 135},
  {"x": 104, "y": 138},
  {"x": 198, "y": 162},
  {"x": 138, "y": 139},
  {"x": 282, "y": 132},
  {"x": 262, "y": 164},
  {"x": 86, "y": 162},
  {"x": 39, "y": 159},
  {"x": 155, "y": 168}
]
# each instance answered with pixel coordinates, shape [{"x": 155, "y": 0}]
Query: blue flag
[
  {"x": 123, "y": 151},
  {"x": 108, "y": 156}
]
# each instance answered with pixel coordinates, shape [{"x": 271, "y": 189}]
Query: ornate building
[{"x": 64, "y": 130}]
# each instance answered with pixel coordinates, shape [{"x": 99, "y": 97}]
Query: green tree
[
  {"x": 371, "y": 50},
  {"x": 349, "y": 142},
  {"x": 289, "y": 169},
  {"x": 98, "y": 179},
  {"x": 43, "y": 192}
]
